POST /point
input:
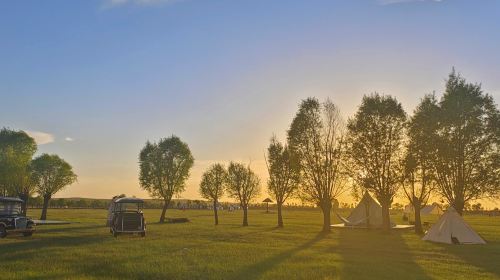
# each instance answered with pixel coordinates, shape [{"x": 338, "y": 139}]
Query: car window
[{"x": 10, "y": 208}]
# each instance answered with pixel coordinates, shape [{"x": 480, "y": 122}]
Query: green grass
[{"x": 199, "y": 250}]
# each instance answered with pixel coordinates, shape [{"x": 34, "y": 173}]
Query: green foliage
[
  {"x": 16, "y": 151},
  {"x": 242, "y": 183},
  {"x": 213, "y": 182},
  {"x": 376, "y": 148},
  {"x": 164, "y": 168},
  {"x": 468, "y": 141},
  {"x": 284, "y": 174},
  {"x": 51, "y": 174},
  {"x": 418, "y": 181}
]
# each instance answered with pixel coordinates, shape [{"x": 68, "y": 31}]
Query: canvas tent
[
  {"x": 433, "y": 209},
  {"x": 368, "y": 211},
  {"x": 451, "y": 228}
]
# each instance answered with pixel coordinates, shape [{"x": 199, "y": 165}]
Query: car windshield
[
  {"x": 128, "y": 207},
  {"x": 10, "y": 208}
]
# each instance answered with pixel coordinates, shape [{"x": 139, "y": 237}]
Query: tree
[
  {"x": 164, "y": 169},
  {"x": 376, "y": 148},
  {"x": 468, "y": 144},
  {"x": 243, "y": 185},
  {"x": 316, "y": 139},
  {"x": 284, "y": 175},
  {"x": 16, "y": 151},
  {"x": 213, "y": 183},
  {"x": 51, "y": 174},
  {"x": 418, "y": 181}
]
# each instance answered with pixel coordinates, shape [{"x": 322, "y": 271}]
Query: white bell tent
[{"x": 452, "y": 229}]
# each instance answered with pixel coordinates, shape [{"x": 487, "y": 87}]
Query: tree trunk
[
  {"x": 386, "y": 217},
  {"x": 215, "y": 213},
  {"x": 326, "y": 207},
  {"x": 459, "y": 205},
  {"x": 418, "y": 220},
  {"x": 46, "y": 200},
  {"x": 245, "y": 216},
  {"x": 280, "y": 217},
  {"x": 166, "y": 202},
  {"x": 24, "y": 205}
]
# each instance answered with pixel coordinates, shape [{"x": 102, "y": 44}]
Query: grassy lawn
[{"x": 199, "y": 250}]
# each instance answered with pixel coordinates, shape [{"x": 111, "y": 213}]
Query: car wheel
[
  {"x": 3, "y": 232},
  {"x": 26, "y": 234}
]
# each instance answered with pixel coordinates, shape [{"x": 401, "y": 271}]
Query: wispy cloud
[
  {"x": 389, "y": 2},
  {"x": 41, "y": 138},
  {"x": 69, "y": 139},
  {"x": 118, "y": 3}
]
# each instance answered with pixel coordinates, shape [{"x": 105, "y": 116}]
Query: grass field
[{"x": 199, "y": 250}]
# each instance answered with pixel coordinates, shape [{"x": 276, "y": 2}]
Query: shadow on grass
[
  {"x": 372, "y": 254},
  {"x": 256, "y": 270},
  {"x": 485, "y": 257}
]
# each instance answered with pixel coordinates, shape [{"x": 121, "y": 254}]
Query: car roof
[
  {"x": 129, "y": 200},
  {"x": 10, "y": 199}
]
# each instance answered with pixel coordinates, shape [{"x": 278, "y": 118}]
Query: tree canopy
[
  {"x": 164, "y": 168},
  {"x": 213, "y": 184},
  {"x": 243, "y": 185},
  {"x": 316, "y": 138},
  {"x": 376, "y": 148}
]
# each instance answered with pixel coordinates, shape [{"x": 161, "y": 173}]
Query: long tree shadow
[
  {"x": 485, "y": 257},
  {"x": 256, "y": 270},
  {"x": 371, "y": 254}
]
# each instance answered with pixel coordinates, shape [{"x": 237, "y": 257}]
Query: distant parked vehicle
[
  {"x": 127, "y": 216},
  {"x": 11, "y": 220}
]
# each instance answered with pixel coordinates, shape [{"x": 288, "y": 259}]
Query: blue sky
[{"x": 223, "y": 75}]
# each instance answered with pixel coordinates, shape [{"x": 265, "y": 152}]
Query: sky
[{"x": 93, "y": 80}]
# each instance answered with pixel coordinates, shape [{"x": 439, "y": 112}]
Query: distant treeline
[{"x": 93, "y": 203}]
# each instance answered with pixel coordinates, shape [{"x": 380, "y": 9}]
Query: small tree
[
  {"x": 51, "y": 174},
  {"x": 164, "y": 169},
  {"x": 243, "y": 185},
  {"x": 16, "y": 151},
  {"x": 316, "y": 138},
  {"x": 284, "y": 174},
  {"x": 213, "y": 183},
  {"x": 376, "y": 148},
  {"x": 468, "y": 144}
]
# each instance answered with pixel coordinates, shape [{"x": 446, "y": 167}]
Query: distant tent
[
  {"x": 452, "y": 229},
  {"x": 433, "y": 209},
  {"x": 368, "y": 211}
]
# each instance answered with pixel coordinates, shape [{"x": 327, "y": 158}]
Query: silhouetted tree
[
  {"x": 316, "y": 139},
  {"x": 164, "y": 169},
  {"x": 243, "y": 185},
  {"x": 468, "y": 142},
  {"x": 16, "y": 151},
  {"x": 376, "y": 148},
  {"x": 213, "y": 184},
  {"x": 51, "y": 174},
  {"x": 284, "y": 174},
  {"x": 418, "y": 179}
]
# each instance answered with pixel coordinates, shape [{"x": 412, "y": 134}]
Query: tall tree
[
  {"x": 468, "y": 140},
  {"x": 51, "y": 174},
  {"x": 164, "y": 169},
  {"x": 16, "y": 151},
  {"x": 284, "y": 174},
  {"x": 243, "y": 185},
  {"x": 418, "y": 179},
  {"x": 376, "y": 148},
  {"x": 213, "y": 184},
  {"x": 316, "y": 139}
]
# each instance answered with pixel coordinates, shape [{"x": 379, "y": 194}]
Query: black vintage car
[
  {"x": 127, "y": 216},
  {"x": 11, "y": 220}
]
